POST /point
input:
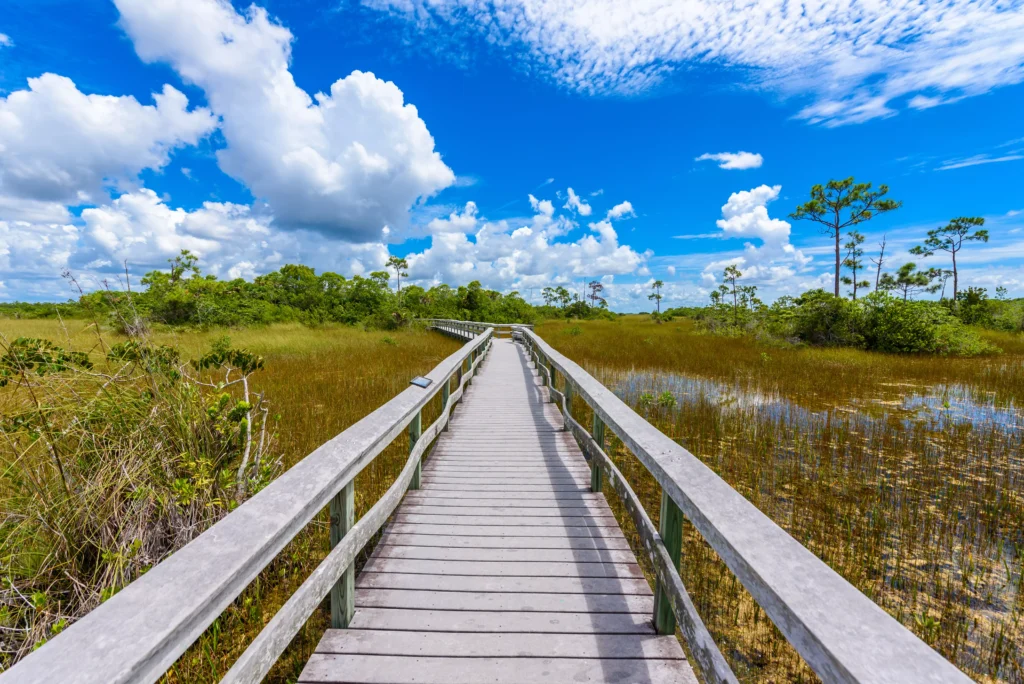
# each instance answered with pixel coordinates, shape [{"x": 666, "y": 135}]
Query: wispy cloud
[
  {"x": 734, "y": 160},
  {"x": 5, "y": 40},
  {"x": 855, "y": 60},
  {"x": 702, "y": 236},
  {"x": 976, "y": 160}
]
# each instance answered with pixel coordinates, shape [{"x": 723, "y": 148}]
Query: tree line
[{"x": 183, "y": 295}]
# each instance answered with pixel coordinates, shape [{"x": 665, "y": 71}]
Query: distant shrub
[
  {"x": 823, "y": 319},
  {"x": 894, "y": 325}
]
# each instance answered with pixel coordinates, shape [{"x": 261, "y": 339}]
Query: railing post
[
  {"x": 595, "y": 467},
  {"x": 445, "y": 393},
  {"x": 551, "y": 378},
  {"x": 343, "y": 593},
  {"x": 415, "y": 430},
  {"x": 671, "y": 531},
  {"x": 568, "y": 402}
]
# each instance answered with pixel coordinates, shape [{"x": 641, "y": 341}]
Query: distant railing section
[
  {"x": 139, "y": 633},
  {"x": 841, "y": 634},
  {"x": 469, "y": 329}
]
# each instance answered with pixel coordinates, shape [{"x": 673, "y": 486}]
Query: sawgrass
[
  {"x": 317, "y": 382},
  {"x": 902, "y": 473}
]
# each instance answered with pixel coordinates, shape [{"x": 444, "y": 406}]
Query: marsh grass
[
  {"x": 902, "y": 473},
  {"x": 317, "y": 382}
]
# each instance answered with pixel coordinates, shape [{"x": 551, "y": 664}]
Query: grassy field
[
  {"x": 902, "y": 473},
  {"x": 318, "y": 381}
]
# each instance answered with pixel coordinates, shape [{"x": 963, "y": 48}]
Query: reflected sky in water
[{"x": 911, "y": 403}]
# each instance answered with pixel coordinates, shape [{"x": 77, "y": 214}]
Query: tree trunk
[
  {"x": 955, "y": 281},
  {"x": 838, "y": 261}
]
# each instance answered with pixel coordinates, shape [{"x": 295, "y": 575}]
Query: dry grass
[
  {"x": 319, "y": 381},
  {"x": 903, "y": 474}
]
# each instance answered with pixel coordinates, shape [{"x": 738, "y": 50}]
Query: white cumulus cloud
[
  {"x": 853, "y": 59},
  {"x": 524, "y": 253},
  {"x": 576, "y": 204},
  {"x": 457, "y": 222},
  {"x": 734, "y": 160},
  {"x": 620, "y": 210},
  {"x": 347, "y": 162},
  {"x": 59, "y": 145},
  {"x": 745, "y": 215}
]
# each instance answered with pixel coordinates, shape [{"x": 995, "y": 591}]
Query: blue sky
[{"x": 452, "y": 134}]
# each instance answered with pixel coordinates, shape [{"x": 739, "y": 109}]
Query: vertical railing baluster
[
  {"x": 551, "y": 378},
  {"x": 445, "y": 393},
  {"x": 568, "y": 402},
  {"x": 595, "y": 466},
  {"x": 415, "y": 430},
  {"x": 343, "y": 593},
  {"x": 671, "y": 530}
]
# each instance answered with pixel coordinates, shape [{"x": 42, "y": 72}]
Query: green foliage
[
  {"x": 120, "y": 460},
  {"x": 908, "y": 281},
  {"x": 29, "y": 355},
  {"x": 656, "y": 295},
  {"x": 820, "y": 318},
  {"x": 951, "y": 238},
  {"x": 879, "y": 322},
  {"x": 842, "y": 204}
]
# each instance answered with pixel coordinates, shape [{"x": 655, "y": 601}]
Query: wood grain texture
[
  {"x": 504, "y": 566},
  {"x": 401, "y": 669}
]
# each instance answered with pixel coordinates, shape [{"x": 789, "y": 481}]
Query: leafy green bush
[
  {"x": 894, "y": 325},
  {"x": 821, "y": 318},
  {"x": 122, "y": 458}
]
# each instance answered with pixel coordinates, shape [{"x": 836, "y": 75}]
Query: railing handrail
[
  {"x": 139, "y": 633},
  {"x": 478, "y": 323},
  {"x": 841, "y": 633}
]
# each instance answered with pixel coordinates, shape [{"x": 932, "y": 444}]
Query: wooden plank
[
  {"x": 505, "y": 555},
  {"x": 610, "y": 542},
  {"x": 519, "y": 468},
  {"x": 499, "y": 478},
  {"x": 435, "y": 644},
  {"x": 502, "y": 621},
  {"x": 488, "y": 569},
  {"x": 444, "y": 486},
  {"x": 515, "y": 521},
  {"x": 506, "y": 601},
  {"x": 505, "y": 531},
  {"x": 577, "y": 502},
  {"x": 511, "y": 514},
  {"x": 584, "y": 495},
  {"x": 376, "y": 669},
  {"x": 571, "y": 509},
  {"x": 498, "y": 584}
]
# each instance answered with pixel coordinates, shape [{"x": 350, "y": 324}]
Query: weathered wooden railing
[
  {"x": 136, "y": 635},
  {"x": 466, "y": 329},
  {"x": 841, "y": 634}
]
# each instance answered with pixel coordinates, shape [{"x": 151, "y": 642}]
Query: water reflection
[{"x": 907, "y": 402}]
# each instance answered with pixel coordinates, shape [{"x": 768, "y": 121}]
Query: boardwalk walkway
[{"x": 503, "y": 567}]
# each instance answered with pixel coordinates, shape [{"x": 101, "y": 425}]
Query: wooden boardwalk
[{"x": 503, "y": 567}]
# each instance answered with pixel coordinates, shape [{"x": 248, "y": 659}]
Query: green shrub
[
  {"x": 821, "y": 318},
  {"x": 895, "y": 325},
  {"x": 111, "y": 464}
]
